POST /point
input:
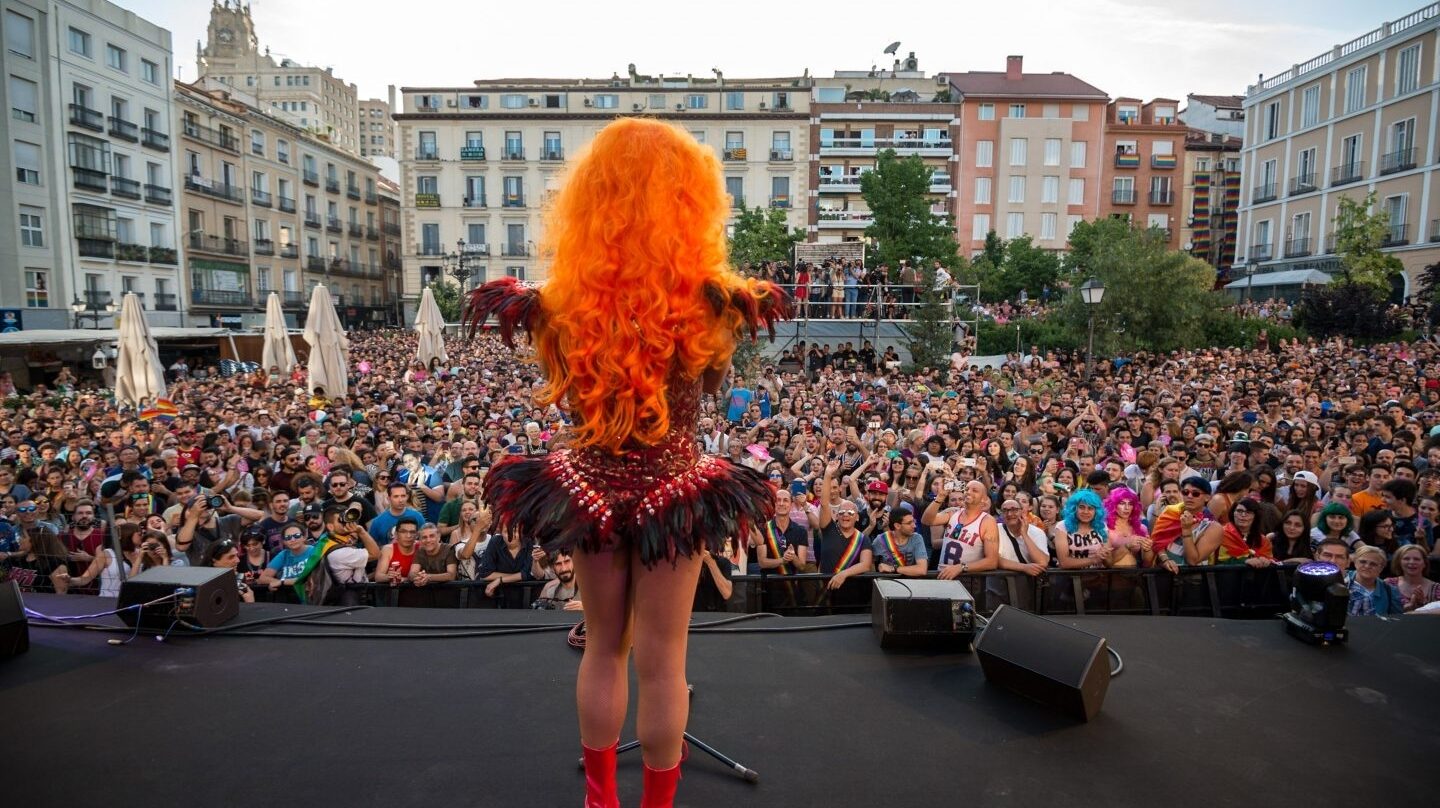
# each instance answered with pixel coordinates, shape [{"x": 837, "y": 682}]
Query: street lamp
[
  {"x": 462, "y": 263},
  {"x": 90, "y": 310},
  {"x": 1250, "y": 270},
  {"x": 1092, "y": 292}
]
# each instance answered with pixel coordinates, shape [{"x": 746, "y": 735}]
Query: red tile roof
[{"x": 988, "y": 83}]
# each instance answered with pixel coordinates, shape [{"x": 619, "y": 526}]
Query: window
[
  {"x": 982, "y": 190},
  {"x": 696, "y": 101},
  {"x": 1080, "y": 112},
  {"x": 1077, "y": 191},
  {"x": 475, "y": 233},
  {"x": 1018, "y": 146},
  {"x": 474, "y": 191},
  {"x": 19, "y": 34},
  {"x": 1017, "y": 111},
  {"x": 1162, "y": 147},
  {"x": 1355, "y": 89},
  {"x": 517, "y": 101},
  {"x": 734, "y": 100},
  {"x": 1017, "y": 190},
  {"x": 149, "y": 71},
  {"x": 607, "y": 101},
  {"x": 1014, "y": 225},
  {"x": 1158, "y": 221},
  {"x": 698, "y": 134},
  {"x": 830, "y": 95},
  {"x": 554, "y": 102},
  {"x": 1072, "y": 221},
  {"x": 1262, "y": 240},
  {"x": 257, "y": 142},
  {"x": 1052, "y": 151},
  {"x": 657, "y": 101},
  {"x": 1306, "y": 174},
  {"x": 514, "y": 144},
  {"x": 1350, "y": 153},
  {"x": 1165, "y": 115},
  {"x": 1300, "y": 226},
  {"x": 734, "y": 140},
  {"x": 1272, "y": 120},
  {"x": 1395, "y": 208},
  {"x": 1124, "y": 188},
  {"x": 79, "y": 42},
  {"x": 1050, "y": 190},
  {"x": 1077, "y": 154},
  {"x": 430, "y": 239},
  {"x": 24, "y": 99},
  {"x": 980, "y": 226},
  {"x": 518, "y": 273},
  {"x": 32, "y": 229},
  {"x": 116, "y": 58},
  {"x": 1267, "y": 175},
  {"x": 984, "y": 153},
  {"x": 1402, "y": 135},
  {"x": 37, "y": 288},
  {"x": 552, "y": 146},
  {"x": 1047, "y": 226},
  {"x": 1407, "y": 70},
  {"x": 780, "y": 191},
  {"x": 735, "y": 187},
  {"x": 1050, "y": 111},
  {"x": 282, "y": 151},
  {"x": 1310, "y": 106},
  {"x": 27, "y": 163},
  {"x": 469, "y": 102},
  {"x": 1127, "y": 114},
  {"x": 1159, "y": 188},
  {"x": 987, "y": 112}
]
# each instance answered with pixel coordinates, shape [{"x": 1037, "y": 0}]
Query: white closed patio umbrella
[
  {"x": 329, "y": 363},
  {"x": 430, "y": 324},
  {"x": 278, "y": 352},
  {"x": 139, "y": 376}
]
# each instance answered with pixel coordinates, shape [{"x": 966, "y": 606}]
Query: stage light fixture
[{"x": 1318, "y": 601}]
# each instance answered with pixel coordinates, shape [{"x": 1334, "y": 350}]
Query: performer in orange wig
[{"x": 639, "y": 316}]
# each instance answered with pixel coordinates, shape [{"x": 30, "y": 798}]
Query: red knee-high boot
[
  {"x": 600, "y": 777},
  {"x": 660, "y": 787}
]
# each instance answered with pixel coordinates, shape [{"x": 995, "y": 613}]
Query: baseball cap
[
  {"x": 313, "y": 509},
  {"x": 1308, "y": 477},
  {"x": 878, "y": 486}
]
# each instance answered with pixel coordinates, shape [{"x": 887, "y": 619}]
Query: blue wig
[{"x": 1086, "y": 497}]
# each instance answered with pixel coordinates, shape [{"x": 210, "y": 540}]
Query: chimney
[{"x": 1013, "y": 65}]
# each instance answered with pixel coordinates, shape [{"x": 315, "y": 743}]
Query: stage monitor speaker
[
  {"x": 14, "y": 630},
  {"x": 922, "y": 614},
  {"x": 1042, "y": 660},
  {"x": 208, "y": 597}
]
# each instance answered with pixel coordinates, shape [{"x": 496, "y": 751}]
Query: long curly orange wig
[{"x": 634, "y": 237}]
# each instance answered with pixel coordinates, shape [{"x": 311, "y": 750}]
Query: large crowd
[{"x": 1271, "y": 455}]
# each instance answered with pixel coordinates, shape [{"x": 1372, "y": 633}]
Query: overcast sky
[{"x": 1124, "y": 47}]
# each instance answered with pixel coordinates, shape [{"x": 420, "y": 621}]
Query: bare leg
[
  {"x": 602, "y": 690},
  {"x": 664, "y": 597}
]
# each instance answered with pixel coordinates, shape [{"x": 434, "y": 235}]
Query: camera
[
  {"x": 353, "y": 513},
  {"x": 215, "y": 501}
]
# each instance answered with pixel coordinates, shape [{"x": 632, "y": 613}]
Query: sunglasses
[
  {"x": 1191, "y": 492},
  {"x": 26, "y": 509},
  {"x": 293, "y": 536}
]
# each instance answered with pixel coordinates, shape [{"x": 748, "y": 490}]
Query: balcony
[
  {"x": 845, "y": 219},
  {"x": 125, "y": 187},
  {"x": 1162, "y": 197},
  {"x": 1346, "y": 173},
  {"x": 222, "y": 138},
  {"x": 390, "y": 229},
  {"x": 781, "y": 155},
  {"x": 515, "y": 251},
  {"x": 264, "y": 246},
  {"x": 552, "y": 153},
  {"x": 215, "y": 297},
  {"x": 779, "y": 201},
  {"x": 355, "y": 230},
  {"x": 219, "y": 245},
  {"x": 95, "y": 248},
  {"x": 312, "y": 219},
  {"x": 737, "y": 203},
  {"x": 1127, "y": 159},
  {"x": 314, "y": 263},
  {"x": 941, "y": 183},
  {"x": 165, "y": 301},
  {"x": 310, "y": 178},
  {"x": 123, "y": 129},
  {"x": 371, "y": 198},
  {"x": 1402, "y": 160},
  {"x": 513, "y": 201},
  {"x": 218, "y": 190},
  {"x": 352, "y": 191},
  {"x": 1264, "y": 193},
  {"x": 87, "y": 118},
  {"x": 137, "y": 253},
  {"x": 151, "y": 139},
  {"x": 332, "y": 185},
  {"x": 1397, "y": 236},
  {"x": 292, "y": 300},
  {"x": 427, "y": 153},
  {"x": 291, "y": 250},
  {"x": 865, "y": 146},
  {"x": 1297, "y": 247},
  {"x": 1303, "y": 184},
  {"x": 97, "y": 298},
  {"x": 736, "y": 155},
  {"x": 428, "y": 250},
  {"x": 476, "y": 249},
  {"x": 472, "y": 154},
  {"x": 1260, "y": 252},
  {"x": 88, "y": 179},
  {"x": 261, "y": 198},
  {"x": 1122, "y": 196},
  {"x": 287, "y": 205},
  {"x": 163, "y": 255},
  {"x": 841, "y": 183},
  {"x": 513, "y": 153},
  {"x": 371, "y": 233},
  {"x": 1162, "y": 161},
  {"x": 427, "y": 200},
  {"x": 333, "y": 224},
  {"x": 1329, "y": 245},
  {"x": 156, "y": 195}
]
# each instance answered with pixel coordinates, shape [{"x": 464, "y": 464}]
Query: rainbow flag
[{"x": 163, "y": 409}]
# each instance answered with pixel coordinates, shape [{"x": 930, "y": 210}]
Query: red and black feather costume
[{"x": 667, "y": 499}]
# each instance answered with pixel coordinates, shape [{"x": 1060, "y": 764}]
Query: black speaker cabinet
[
  {"x": 208, "y": 598},
  {"x": 1042, "y": 660},
  {"x": 922, "y": 614},
  {"x": 14, "y": 631}
]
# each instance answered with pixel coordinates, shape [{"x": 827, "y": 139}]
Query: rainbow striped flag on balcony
[
  {"x": 1127, "y": 160},
  {"x": 1162, "y": 161}
]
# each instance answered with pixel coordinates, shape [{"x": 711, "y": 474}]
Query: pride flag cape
[
  {"x": 1167, "y": 527},
  {"x": 322, "y": 549},
  {"x": 163, "y": 409}
]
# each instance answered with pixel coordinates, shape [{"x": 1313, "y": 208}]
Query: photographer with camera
[
  {"x": 357, "y": 548},
  {"x": 208, "y": 519}
]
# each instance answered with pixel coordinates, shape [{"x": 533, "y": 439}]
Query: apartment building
[
  {"x": 377, "y": 129},
  {"x": 1141, "y": 169},
  {"x": 391, "y": 247},
  {"x": 478, "y": 161},
  {"x": 310, "y": 97},
  {"x": 88, "y": 143},
  {"x": 1030, "y": 154},
  {"x": 1357, "y": 119},
  {"x": 1211, "y": 201},
  {"x": 1220, "y": 114},
  {"x": 266, "y": 206}
]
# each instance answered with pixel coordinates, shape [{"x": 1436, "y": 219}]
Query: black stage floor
[{"x": 1207, "y": 712}]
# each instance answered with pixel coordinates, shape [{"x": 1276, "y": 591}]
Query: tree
[
  {"x": 761, "y": 235},
  {"x": 898, "y": 195},
  {"x": 931, "y": 326},
  {"x": 1021, "y": 265},
  {"x": 1361, "y": 230},
  {"x": 1155, "y": 299},
  {"x": 1429, "y": 294},
  {"x": 447, "y": 297}
]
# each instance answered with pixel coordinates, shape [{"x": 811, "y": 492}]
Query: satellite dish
[
  {"x": 892, "y": 48},
  {"x": 1189, "y": 245}
]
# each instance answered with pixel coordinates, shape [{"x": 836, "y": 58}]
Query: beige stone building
[
  {"x": 1357, "y": 119},
  {"x": 310, "y": 97},
  {"x": 476, "y": 162},
  {"x": 377, "y": 129}
]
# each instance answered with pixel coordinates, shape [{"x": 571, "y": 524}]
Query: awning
[
  {"x": 84, "y": 336},
  {"x": 1288, "y": 277}
]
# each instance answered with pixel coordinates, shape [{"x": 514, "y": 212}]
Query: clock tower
[{"x": 230, "y": 37}]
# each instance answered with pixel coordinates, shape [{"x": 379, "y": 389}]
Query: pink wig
[{"x": 1123, "y": 494}]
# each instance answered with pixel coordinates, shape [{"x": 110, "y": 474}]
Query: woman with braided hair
[{"x": 639, "y": 317}]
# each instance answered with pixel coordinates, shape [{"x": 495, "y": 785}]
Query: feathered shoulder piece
[
  {"x": 760, "y": 303},
  {"x": 511, "y": 303}
]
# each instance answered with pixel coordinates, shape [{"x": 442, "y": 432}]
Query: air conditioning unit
[
  {"x": 762, "y": 104},
  {"x": 450, "y": 102},
  {"x": 679, "y": 107},
  {"x": 587, "y": 102},
  {"x": 634, "y": 107},
  {"x": 534, "y": 103}
]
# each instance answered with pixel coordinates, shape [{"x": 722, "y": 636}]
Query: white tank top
[{"x": 962, "y": 541}]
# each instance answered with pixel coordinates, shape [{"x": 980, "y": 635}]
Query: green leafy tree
[
  {"x": 1023, "y": 266},
  {"x": 1360, "y": 231},
  {"x": 447, "y": 297},
  {"x": 931, "y": 327},
  {"x": 898, "y": 195},
  {"x": 761, "y": 235}
]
